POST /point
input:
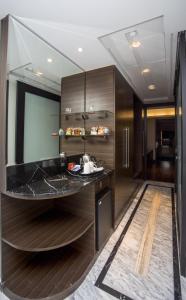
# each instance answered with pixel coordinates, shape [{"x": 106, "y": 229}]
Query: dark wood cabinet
[
  {"x": 139, "y": 138},
  {"x": 48, "y": 245},
  {"x": 72, "y": 93},
  {"x": 100, "y": 89},
  {"x": 73, "y": 98},
  {"x": 105, "y": 89},
  {"x": 100, "y": 96}
]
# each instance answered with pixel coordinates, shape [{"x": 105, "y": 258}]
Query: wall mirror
[{"x": 35, "y": 70}]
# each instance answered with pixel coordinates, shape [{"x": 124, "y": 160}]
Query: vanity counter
[
  {"x": 55, "y": 186},
  {"x": 54, "y": 235}
]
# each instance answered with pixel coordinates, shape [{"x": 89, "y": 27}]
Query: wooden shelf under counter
[
  {"x": 46, "y": 275},
  {"x": 48, "y": 246},
  {"x": 50, "y": 230}
]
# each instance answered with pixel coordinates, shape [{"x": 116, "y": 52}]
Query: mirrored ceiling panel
[
  {"x": 32, "y": 60},
  {"x": 139, "y": 52}
]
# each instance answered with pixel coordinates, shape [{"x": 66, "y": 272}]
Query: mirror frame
[{"x": 3, "y": 101}]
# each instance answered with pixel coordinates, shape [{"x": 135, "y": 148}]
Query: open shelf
[
  {"x": 85, "y": 115},
  {"x": 50, "y": 230},
  {"x": 50, "y": 275},
  {"x": 87, "y": 136}
]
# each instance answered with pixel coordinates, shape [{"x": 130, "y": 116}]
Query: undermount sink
[{"x": 64, "y": 182}]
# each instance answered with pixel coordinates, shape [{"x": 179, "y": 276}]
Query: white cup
[
  {"x": 91, "y": 165},
  {"x": 106, "y": 130},
  {"x": 86, "y": 169}
]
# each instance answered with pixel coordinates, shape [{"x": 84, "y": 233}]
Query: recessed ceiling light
[
  {"x": 29, "y": 69},
  {"x": 132, "y": 34},
  {"x": 145, "y": 71},
  {"x": 136, "y": 44},
  {"x": 152, "y": 87},
  {"x": 39, "y": 73},
  {"x": 80, "y": 49},
  {"x": 49, "y": 60}
]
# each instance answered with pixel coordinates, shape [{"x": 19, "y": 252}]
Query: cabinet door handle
[
  {"x": 100, "y": 202},
  {"x": 128, "y": 147},
  {"x": 143, "y": 143},
  {"x": 125, "y": 147}
]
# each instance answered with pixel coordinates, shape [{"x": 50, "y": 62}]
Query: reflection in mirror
[{"x": 35, "y": 70}]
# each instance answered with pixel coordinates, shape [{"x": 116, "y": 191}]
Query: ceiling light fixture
[
  {"x": 49, "y": 60},
  {"x": 145, "y": 71},
  {"x": 132, "y": 34},
  {"x": 152, "y": 87},
  {"x": 133, "y": 39},
  {"x": 136, "y": 44},
  {"x": 29, "y": 69},
  {"x": 80, "y": 49}
]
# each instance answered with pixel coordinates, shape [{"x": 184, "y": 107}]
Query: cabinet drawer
[{"x": 102, "y": 184}]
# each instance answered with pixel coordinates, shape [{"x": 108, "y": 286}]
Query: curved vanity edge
[
  {"x": 41, "y": 196},
  {"x": 39, "y": 249},
  {"x": 58, "y": 195},
  {"x": 67, "y": 292},
  {"x": 71, "y": 257},
  {"x": 63, "y": 294}
]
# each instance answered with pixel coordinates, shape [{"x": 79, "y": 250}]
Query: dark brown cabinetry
[
  {"x": 100, "y": 89},
  {"x": 106, "y": 89},
  {"x": 100, "y": 95},
  {"x": 49, "y": 245},
  {"x": 73, "y": 93},
  {"x": 73, "y": 98},
  {"x": 124, "y": 181}
]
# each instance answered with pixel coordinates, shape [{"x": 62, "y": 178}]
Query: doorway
[{"x": 160, "y": 144}]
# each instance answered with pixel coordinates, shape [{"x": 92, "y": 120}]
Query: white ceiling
[{"x": 69, "y": 24}]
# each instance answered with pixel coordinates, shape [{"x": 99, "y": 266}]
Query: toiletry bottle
[{"x": 63, "y": 162}]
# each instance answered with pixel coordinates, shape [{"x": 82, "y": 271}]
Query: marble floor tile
[
  {"x": 183, "y": 287},
  {"x": 3, "y": 297},
  {"x": 158, "y": 284}
]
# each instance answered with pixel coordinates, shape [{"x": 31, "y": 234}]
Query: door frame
[
  {"x": 180, "y": 74},
  {"x": 146, "y": 106}
]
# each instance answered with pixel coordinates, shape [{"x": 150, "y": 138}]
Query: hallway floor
[
  {"x": 137, "y": 261},
  {"x": 162, "y": 170}
]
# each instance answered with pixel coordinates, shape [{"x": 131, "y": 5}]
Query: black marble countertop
[{"x": 56, "y": 186}]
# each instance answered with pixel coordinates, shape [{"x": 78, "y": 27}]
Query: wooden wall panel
[
  {"x": 100, "y": 89},
  {"x": 73, "y": 93},
  {"x": 105, "y": 89},
  {"x": 138, "y": 138},
  {"x": 79, "y": 204},
  {"x": 100, "y": 95},
  {"x": 73, "y": 96}
]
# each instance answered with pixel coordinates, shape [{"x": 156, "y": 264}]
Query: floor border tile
[{"x": 176, "y": 273}]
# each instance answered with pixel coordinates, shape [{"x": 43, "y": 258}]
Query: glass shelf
[
  {"x": 85, "y": 115},
  {"x": 87, "y": 136},
  {"x": 81, "y": 136}
]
